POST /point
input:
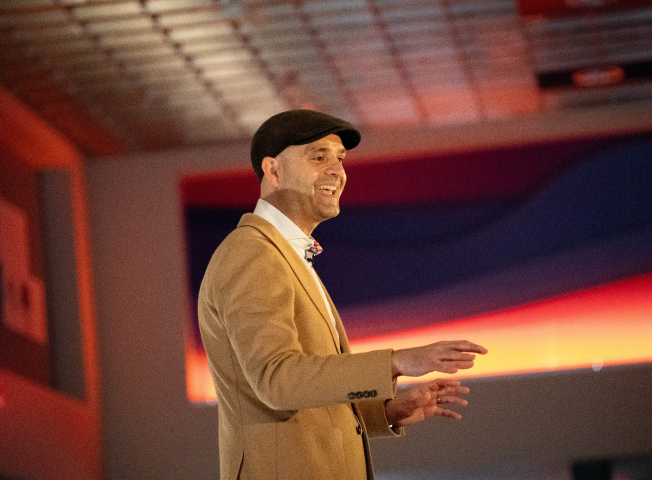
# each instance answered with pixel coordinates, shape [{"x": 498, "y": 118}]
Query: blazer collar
[{"x": 297, "y": 265}]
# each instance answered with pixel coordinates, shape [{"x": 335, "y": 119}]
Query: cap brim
[{"x": 350, "y": 137}]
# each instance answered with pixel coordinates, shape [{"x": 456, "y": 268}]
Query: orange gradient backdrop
[{"x": 601, "y": 326}]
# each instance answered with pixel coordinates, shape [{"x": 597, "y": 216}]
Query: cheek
[{"x": 306, "y": 173}]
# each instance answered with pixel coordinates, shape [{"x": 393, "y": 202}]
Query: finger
[
  {"x": 452, "y": 367},
  {"x": 439, "y": 411},
  {"x": 442, "y": 383},
  {"x": 461, "y": 364},
  {"x": 450, "y": 398},
  {"x": 454, "y": 356},
  {"x": 449, "y": 387},
  {"x": 466, "y": 346},
  {"x": 447, "y": 367},
  {"x": 448, "y": 382},
  {"x": 448, "y": 413},
  {"x": 457, "y": 389},
  {"x": 453, "y": 399},
  {"x": 453, "y": 391}
]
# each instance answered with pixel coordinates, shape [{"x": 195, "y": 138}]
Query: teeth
[{"x": 327, "y": 187}]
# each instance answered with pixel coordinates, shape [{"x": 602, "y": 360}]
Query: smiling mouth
[{"x": 328, "y": 189}]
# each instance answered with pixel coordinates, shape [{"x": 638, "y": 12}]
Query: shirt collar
[{"x": 283, "y": 224}]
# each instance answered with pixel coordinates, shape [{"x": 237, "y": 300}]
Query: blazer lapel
[
  {"x": 344, "y": 340},
  {"x": 297, "y": 266}
]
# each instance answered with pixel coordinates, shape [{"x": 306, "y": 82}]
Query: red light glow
[{"x": 199, "y": 383}]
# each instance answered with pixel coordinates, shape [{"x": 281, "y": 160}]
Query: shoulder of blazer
[
  {"x": 269, "y": 231},
  {"x": 263, "y": 226}
]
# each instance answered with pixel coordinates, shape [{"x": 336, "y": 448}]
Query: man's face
[{"x": 311, "y": 179}]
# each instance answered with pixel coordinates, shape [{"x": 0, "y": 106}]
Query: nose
[{"x": 335, "y": 168}]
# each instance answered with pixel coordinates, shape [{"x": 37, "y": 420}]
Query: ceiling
[{"x": 119, "y": 76}]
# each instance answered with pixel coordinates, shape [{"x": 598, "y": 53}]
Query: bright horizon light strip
[{"x": 602, "y": 326}]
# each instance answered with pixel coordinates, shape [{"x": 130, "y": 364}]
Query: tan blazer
[{"x": 285, "y": 385}]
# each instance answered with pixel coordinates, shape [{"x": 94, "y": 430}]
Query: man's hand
[
  {"x": 425, "y": 401},
  {"x": 445, "y": 357}
]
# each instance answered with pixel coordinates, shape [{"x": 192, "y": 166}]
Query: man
[{"x": 294, "y": 403}]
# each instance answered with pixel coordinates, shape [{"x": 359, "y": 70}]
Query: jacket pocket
[{"x": 292, "y": 451}]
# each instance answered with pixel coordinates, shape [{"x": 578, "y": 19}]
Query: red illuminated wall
[{"x": 47, "y": 434}]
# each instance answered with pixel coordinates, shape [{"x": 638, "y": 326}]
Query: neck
[{"x": 286, "y": 209}]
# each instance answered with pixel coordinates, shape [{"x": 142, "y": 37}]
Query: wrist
[{"x": 395, "y": 369}]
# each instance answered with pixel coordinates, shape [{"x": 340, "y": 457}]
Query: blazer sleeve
[
  {"x": 375, "y": 420},
  {"x": 253, "y": 293}
]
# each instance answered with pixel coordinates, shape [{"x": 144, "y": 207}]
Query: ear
[{"x": 270, "y": 169}]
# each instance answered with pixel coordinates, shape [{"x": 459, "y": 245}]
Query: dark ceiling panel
[{"x": 149, "y": 74}]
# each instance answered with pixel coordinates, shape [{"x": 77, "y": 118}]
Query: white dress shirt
[{"x": 295, "y": 237}]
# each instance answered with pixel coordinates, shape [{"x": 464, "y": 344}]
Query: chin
[
  {"x": 330, "y": 213},
  {"x": 334, "y": 213}
]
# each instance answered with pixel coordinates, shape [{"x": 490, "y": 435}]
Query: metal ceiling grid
[
  {"x": 592, "y": 41},
  {"x": 125, "y": 63},
  {"x": 165, "y": 73}
]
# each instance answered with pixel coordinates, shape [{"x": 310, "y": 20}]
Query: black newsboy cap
[{"x": 297, "y": 127}]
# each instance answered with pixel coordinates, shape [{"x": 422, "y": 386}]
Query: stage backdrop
[{"x": 542, "y": 253}]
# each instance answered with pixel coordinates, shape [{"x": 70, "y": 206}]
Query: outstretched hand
[
  {"x": 445, "y": 357},
  {"x": 425, "y": 401}
]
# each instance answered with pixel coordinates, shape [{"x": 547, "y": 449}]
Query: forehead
[{"x": 330, "y": 142}]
